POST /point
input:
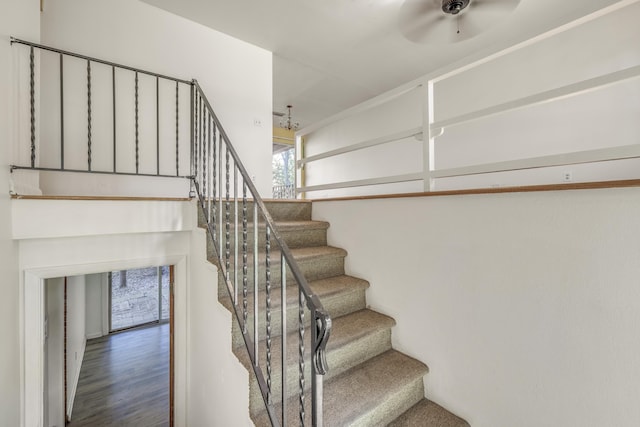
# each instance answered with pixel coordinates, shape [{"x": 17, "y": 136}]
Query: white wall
[
  {"x": 20, "y": 19},
  {"x": 596, "y": 120},
  {"x": 524, "y": 306},
  {"x": 54, "y": 289},
  {"x": 95, "y": 305},
  {"x": 235, "y": 76},
  {"x": 76, "y": 334},
  {"x": 219, "y": 394}
]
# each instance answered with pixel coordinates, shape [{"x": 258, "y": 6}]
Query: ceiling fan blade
[
  {"x": 482, "y": 15},
  {"x": 418, "y": 18},
  {"x": 469, "y": 27},
  {"x": 498, "y": 6},
  {"x": 423, "y": 21},
  {"x": 431, "y": 33}
]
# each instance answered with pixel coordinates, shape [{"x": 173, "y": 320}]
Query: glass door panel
[{"x": 139, "y": 296}]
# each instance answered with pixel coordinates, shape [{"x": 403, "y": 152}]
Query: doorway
[
  {"x": 74, "y": 307},
  {"x": 283, "y": 164},
  {"x": 33, "y": 328}
]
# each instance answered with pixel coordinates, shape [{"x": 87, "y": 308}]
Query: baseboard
[
  {"x": 74, "y": 383},
  {"x": 94, "y": 335}
]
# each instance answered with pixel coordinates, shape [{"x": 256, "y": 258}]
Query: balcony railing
[{"x": 423, "y": 172}]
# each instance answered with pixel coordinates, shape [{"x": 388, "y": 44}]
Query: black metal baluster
[
  {"x": 204, "y": 162},
  {"x": 137, "y": 132},
  {"x": 113, "y": 95},
  {"x": 203, "y": 122},
  {"x": 245, "y": 312},
  {"x": 177, "y": 132},
  {"x": 283, "y": 338},
  {"x": 235, "y": 220},
  {"x": 227, "y": 221},
  {"x": 199, "y": 145},
  {"x": 194, "y": 154},
  {"x": 61, "y": 112},
  {"x": 220, "y": 240},
  {"x": 256, "y": 333},
  {"x": 267, "y": 264},
  {"x": 215, "y": 188},
  {"x": 301, "y": 381},
  {"x": 210, "y": 159},
  {"x": 157, "y": 126},
  {"x": 192, "y": 125},
  {"x": 32, "y": 101},
  {"x": 89, "y": 113}
]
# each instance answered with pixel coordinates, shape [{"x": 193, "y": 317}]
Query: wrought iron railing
[
  {"x": 214, "y": 168},
  {"x": 118, "y": 78},
  {"x": 218, "y": 174}
]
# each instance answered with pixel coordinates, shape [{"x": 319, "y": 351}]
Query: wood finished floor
[{"x": 124, "y": 380}]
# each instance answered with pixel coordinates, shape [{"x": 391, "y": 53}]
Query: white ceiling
[{"x": 332, "y": 54}]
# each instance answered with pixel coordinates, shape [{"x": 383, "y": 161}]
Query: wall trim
[
  {"x": 76, "y": 379},
  {"x": 32, "y": 315},
  {"x": 523, "y": 189}
]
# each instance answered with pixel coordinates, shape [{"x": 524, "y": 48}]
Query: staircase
[{"x": 369, "y": 383}]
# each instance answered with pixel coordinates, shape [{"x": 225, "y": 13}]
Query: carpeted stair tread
[
  {"x": 299, "y": 254},
  {"x": 356, "y": 338},
  {"x": 354, "y": 396},
  {"x": 316, "y": 263},
  {"x": 373, "y": 393},
  {"x": 323, "y": 288},
  {"x": 287, "y": 225},
  {"x": 428, "y": 414},
  {"x": 346, "y": 329},
  {"x": 282, "y": 226},
  {"x": 340, "y": 295},
  {"x": 280, "y": 210}
]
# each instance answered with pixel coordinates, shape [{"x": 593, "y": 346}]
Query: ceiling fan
[{"x": 450, "y": 21}]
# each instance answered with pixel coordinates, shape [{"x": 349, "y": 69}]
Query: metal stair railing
[
  {"x": 63, "y": 66},
  {"x": 216, "y": 168}
]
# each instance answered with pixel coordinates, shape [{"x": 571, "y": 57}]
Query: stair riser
[
  {"x": 339, "y": 360},
  {"x": 337, "y": 305},
  {"x": 312, "y": 269},
  {"x": 280, "y": 211},
  {"x": 394, "y": 406}
]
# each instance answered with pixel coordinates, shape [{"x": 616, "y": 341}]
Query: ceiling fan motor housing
[{"x": 454, "y": 7}]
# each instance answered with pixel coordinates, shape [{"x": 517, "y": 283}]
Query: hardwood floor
[{"x": 124, "y": 380}]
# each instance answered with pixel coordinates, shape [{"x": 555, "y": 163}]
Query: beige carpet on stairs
[{"x": 369, "y": 383}]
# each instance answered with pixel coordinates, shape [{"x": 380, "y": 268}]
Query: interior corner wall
[
  {"x": 76, "y": 334},
  {"x": 219, "y": 384},
  {"x": 19, "y": 19},
  {"x": 525, "y": 306},
  {"x": 54, "y": 289},
  {"x": 235, "y": 76},
  {"x": 95, "y": 305}
]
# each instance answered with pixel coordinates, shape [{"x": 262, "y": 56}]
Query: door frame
[{"x": 32, "y": 316}]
